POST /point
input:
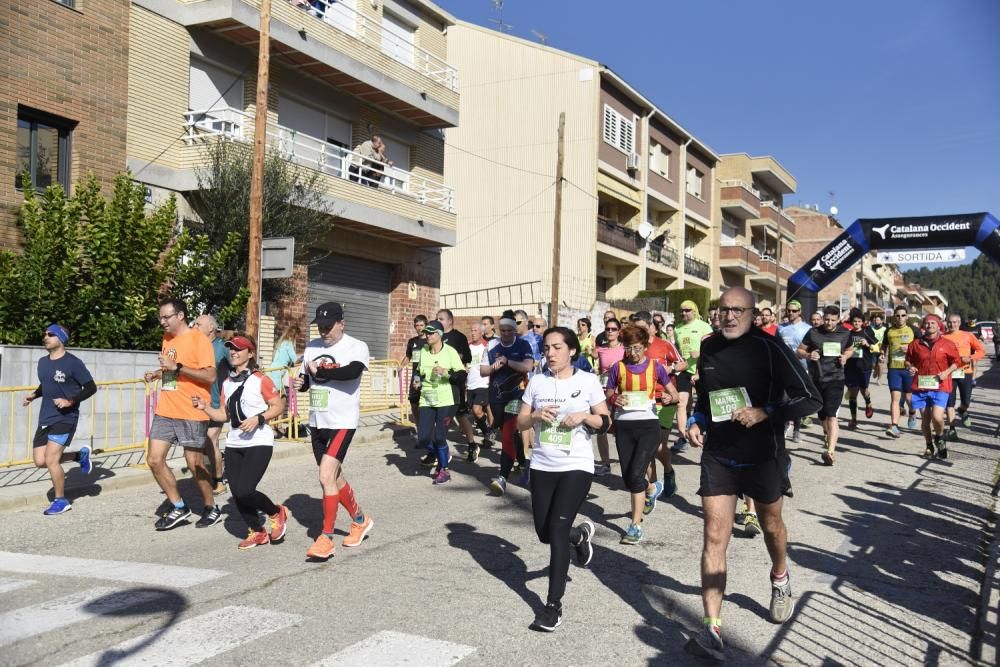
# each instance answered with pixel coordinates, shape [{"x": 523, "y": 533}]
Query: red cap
[{"x": 240, "y": 343}]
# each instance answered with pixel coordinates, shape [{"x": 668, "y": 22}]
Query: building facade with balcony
[
  {"x": 341, "y": 72},
  {"x": 626, "y": 163},
  {"x": 756, "y": 234},
  {"x": 62, "y": 114}
]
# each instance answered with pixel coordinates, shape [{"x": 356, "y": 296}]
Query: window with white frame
[
  {"x": 659, "y": 160},
  {"x": 619, "y": 131},
  {"x": 694, "y": 182}
]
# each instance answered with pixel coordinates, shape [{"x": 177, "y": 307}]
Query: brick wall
[
  {"x": 293, "y": 308},
  {"x": 415, "y": 291},
  {"x": 72, "y": 63}
]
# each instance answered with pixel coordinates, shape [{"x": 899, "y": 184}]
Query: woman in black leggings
[
  {"x": 249, "y": 399},
  {"x": 565, "y": 406}
]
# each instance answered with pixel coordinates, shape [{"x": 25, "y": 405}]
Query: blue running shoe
[
  {"x": 911, "y": 423},
  {"x": 669, "y": 484},
  {"x": 633, "y": 535},
  {"x": 86, "y": 465},
  {"x": 650, "y": 503},
  {"x": 680, "y": 446},
  {"x": 58, "y": 506}
]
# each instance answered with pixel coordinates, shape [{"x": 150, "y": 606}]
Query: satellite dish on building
[
  {"x": 834, "y": 210},
  {"x": 645, "y": 230}
]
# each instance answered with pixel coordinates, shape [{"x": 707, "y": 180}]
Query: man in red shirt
[
  {"x": 930, "y": 360},
  {"x": 769, "y": 323}
]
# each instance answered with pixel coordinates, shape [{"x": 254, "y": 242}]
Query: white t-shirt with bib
[
  {"x": 335, "y": 403},
  {"x": 556, "y": 449},
  {"x": 257, "y": 391},
  {"x": 477, "y": 381}
]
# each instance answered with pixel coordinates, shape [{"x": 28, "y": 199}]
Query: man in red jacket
[{"x": 930, "y": 360}]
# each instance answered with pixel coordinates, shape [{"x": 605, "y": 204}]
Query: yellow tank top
[{"x": 897, "y": 341}]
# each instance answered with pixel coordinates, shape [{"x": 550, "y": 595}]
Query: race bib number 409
[{"x": 556, "y": 436}]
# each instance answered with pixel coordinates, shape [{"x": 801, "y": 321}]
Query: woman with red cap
[{"x": 248, "y": 401}]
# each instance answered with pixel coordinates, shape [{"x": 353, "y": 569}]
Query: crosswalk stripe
[
  {"x": 388, "y": 649},
  {"x": 8, "y": 585},
  {"x": 47, "y": 616},
  {"x": 194, "y": 640},
  {"x": 152, "y": 574}
]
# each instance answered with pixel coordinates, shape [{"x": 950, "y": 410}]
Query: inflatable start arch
[{"x": 980, "y": 230}]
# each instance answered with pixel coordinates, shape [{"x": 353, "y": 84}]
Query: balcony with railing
[
  {"x": 739, "y": 257},
  {"x": 662, "y": 256},
  {"x": 739, "y": 199},
  {"x": 617, "y": 236},
  {"x": 317, "y": 34},
  {"x": 770, "y": 212},
  {"x": 696, "y": 268},
  {"x": 348, "y": 175}
]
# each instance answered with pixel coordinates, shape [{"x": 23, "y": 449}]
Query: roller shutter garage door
[{"x": 363, "y": 288}]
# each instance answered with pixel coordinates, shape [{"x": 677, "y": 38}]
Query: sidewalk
[{"x": 29, "y": 486}]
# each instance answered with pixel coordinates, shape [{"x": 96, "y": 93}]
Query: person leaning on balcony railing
[{"x": 371, "y": 171}]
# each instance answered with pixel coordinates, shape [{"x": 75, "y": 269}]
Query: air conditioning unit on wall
[{"x": 632, "y": 161}]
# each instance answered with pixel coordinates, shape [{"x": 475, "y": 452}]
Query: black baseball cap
[{"x": 329, "y": 313}]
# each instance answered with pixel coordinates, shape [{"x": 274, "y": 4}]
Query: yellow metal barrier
[{"x": 117, "y": 418}]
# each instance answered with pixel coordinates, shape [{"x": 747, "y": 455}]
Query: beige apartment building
[
  {"x": 341, "y": 72},
  {"x": 627, "y": 163},
  {"x": 756, "y": 235}
]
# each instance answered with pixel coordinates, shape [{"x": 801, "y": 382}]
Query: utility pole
[
  {"x": 256, "y": 234},
  {"x": 556, "y": 226}
]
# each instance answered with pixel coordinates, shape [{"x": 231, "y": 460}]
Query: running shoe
[
  {"x": 58, "y": 506},
  {"x": 827, "y": 458},
  {"x": 442, "y": 476},
  {"x": 172, "y": 518},
  {"x": 321, "y": 549},
  {"x": 911, "y": 423},
  {"x": 680, "y": 446},
  {"x": 602, "y": 469},
  {"x": 473, "y": 453},
  {"x": 869, "y": 411},
  {"x": 741, "y": 514},
  {"x": 707, "y": 644},
  {"x": 893, "y": 431},
  {"x": 806, "y": 422},
  {"x": 358, "y": 531},
  {"x": 429, "y": 460},
  {"x": 781, "y": 600},
  {"x": 278, "y": 522},
  {"x": 929, "y": 451},
  {"x": 852, "y": 425},
  {"x": 164, "y": 509},
  {"x": 585, "y": 550},
  {"x": 220, "y": 488},
  {"x": 548, "y": 618},
  {"x": 942, "y": 450},
  {"x": 525, "y": 475},
  {"x": 966, "y": 420},
  {"x": 669, "y": 484},
  {"x": 796, "y": 436},
  {"x": 209, "y": 517},
  {"x": 86, "y": 464},
  {"x": 650, "y": 503},
  {"x": 498, "y": 486},
  {"x": 633, "y": 535},
  {"x": 751, "y": 526},
  {"x": 255, "y": 538},
  {"x": 952, "y": 434}
]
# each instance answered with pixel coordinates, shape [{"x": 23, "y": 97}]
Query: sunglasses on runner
[{"x": 613, "y": 329}]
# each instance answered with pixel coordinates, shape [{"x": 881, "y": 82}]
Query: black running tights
[
  {"x": 245, "y": 467},
  {"x": 556, "y": 498}
]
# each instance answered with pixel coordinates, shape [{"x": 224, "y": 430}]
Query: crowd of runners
[{"x": 736, "y": 383}]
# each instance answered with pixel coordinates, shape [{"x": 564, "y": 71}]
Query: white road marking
[
  {"x": 81, "y": 606},
  {"x": 192, "y": 641},
  {"x": 152, "y": 574},
  {"x": 388, "y": 649},
  {"x": 8, "y": 585}
]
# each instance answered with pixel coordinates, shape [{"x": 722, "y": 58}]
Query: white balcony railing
[
  {"x": 737, "y": 183},
  {"x": 320, "y": 155},
  {"x": 398, "y": 46}
]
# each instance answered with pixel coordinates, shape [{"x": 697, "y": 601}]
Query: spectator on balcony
[{"x": 371, "y": 171}]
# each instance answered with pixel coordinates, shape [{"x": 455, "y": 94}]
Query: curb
[{"x": 36, "y": 493}]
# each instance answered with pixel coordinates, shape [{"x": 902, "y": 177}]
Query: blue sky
[{"x": 894, "y": 106}]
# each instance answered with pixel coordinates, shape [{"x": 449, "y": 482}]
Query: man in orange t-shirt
[
  {"x": 971, "y": 351},
  {"x": 187, "y": 370}
]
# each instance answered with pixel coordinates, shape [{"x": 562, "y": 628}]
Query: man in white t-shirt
[
  {"x": 331, "y": 372},
  {"x": 478, "y": 388}
]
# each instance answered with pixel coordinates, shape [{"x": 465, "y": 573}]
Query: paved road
[{"x": 887, "y": 552}]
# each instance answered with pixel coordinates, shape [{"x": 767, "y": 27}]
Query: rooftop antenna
[
  {"x": 542, "y": 37},
  {"x": 501, "y": 26}
]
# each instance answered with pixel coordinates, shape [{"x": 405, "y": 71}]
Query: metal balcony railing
[
  {"x": 696, "y": 267},
  {"x": 370, "y": 31},
  {"x": 330, "y": 159},
  {"x": 662, "y": 255},
  {"x": 735, "y": 182},
  {"x": 623, "y": 238}
]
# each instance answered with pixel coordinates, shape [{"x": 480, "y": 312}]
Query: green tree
[
  {"x": 99, "y": 267},
  {"x": 970, "y": 288},
  {"x": 293, "y": 206}
]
